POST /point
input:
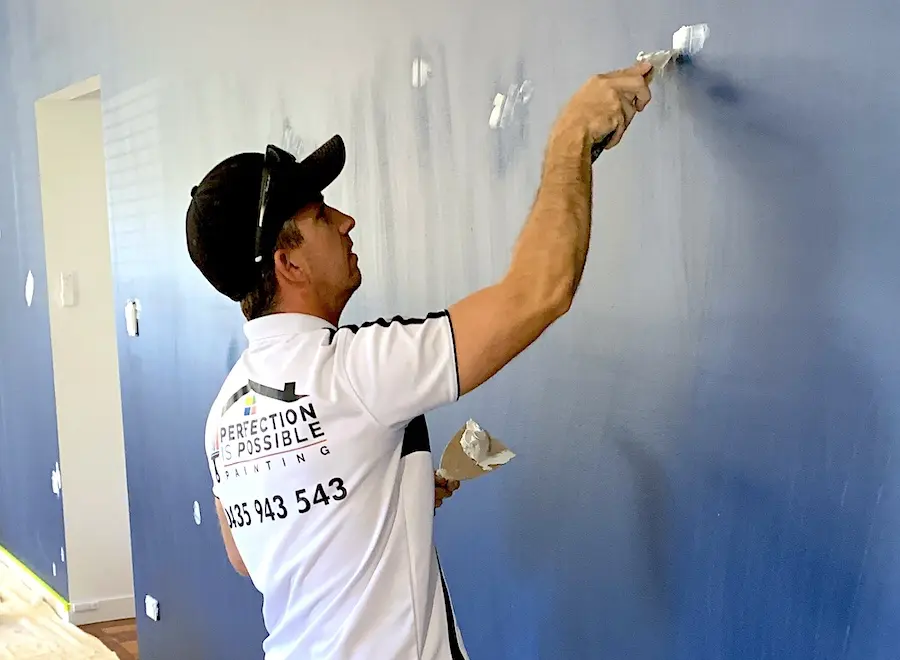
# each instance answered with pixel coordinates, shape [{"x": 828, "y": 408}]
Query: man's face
[{"x": 325, "y": 256}]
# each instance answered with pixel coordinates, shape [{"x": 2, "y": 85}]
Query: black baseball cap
[{"x": 238, "y": 209}]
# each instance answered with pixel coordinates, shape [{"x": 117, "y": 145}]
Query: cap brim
[{"x": 322, "y": 166}]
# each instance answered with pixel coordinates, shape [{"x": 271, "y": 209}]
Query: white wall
[{"x": 85, "y": 359}]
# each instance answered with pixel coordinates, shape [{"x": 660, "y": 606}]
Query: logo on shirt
[
  {"x": 276, "y": 429},
  {"x": 287, "y": 395}
]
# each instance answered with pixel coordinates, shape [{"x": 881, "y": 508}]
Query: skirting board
[{"x": 97, "y": 611}]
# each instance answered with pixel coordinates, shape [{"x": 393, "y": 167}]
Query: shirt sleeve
[{"x": 402, "y": 367}]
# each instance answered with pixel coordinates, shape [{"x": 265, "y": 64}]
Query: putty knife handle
[{"x": 598, "y": 147}]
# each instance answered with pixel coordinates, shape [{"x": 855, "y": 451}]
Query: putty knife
[{"x": 687, "y": 41}]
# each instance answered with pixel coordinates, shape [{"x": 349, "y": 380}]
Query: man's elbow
[
  {"x": 544, "y": 301},
  {"x": 238, "y": 564},
  {"x": 555, "y": 299},
  {"x": 231, "y": 551},
  {"x": 560, "y": 300},
  {"x": 234, "y": 558}
]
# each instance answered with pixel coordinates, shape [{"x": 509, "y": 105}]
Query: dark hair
[{"x": 263, "y": 299}]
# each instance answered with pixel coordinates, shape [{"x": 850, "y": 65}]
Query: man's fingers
[
  {"x": 443, "y": 488},
  {"x": 619, "y": 122},
  {"x": 643, "y": 98},
  {"x": 635, "y": 86},
  {"x": 641, "y": 68},
  {"x": 632, "y": 82},
  {"x": 443, "y": 482},
  {"x": 629, "y": 108}
]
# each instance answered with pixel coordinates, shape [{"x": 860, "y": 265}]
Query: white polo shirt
[{"x": 320, "y": 455}]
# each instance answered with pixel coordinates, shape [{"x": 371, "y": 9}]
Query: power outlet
[
  {"x": 89, "y": 606},
  {"x": 151, "y": 607}
]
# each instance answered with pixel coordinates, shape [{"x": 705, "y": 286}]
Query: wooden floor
[{"x": 118, "y": 636}]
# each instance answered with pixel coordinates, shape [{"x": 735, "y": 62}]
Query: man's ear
[{"x": 286, "y": 266}]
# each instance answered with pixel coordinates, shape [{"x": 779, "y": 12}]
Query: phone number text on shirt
[{"x": 277, "y": 507}]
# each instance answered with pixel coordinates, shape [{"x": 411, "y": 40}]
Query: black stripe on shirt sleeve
[
  {"x": 386, "y": 323},
  {"x": 455, "y": 354}
]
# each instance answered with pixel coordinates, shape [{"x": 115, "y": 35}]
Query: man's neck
[{"x": 319, "y": 311}]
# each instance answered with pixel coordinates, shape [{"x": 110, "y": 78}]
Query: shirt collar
[{"x": 276, "y": 325}]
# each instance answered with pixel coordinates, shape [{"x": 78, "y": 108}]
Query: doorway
[{"x": 91, "y": 476}]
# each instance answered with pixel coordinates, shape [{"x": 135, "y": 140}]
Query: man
[{"x": 317, "y": 444}]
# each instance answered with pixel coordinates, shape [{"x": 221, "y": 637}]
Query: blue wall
[
  {"x": 31, "y": 519},
  {"x": 705, "y": 442}
]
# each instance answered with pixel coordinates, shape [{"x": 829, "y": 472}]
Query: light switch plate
[{"x": 68, "y": 289}]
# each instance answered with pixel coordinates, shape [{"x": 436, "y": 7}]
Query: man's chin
[{"x": 356, "y": 283}]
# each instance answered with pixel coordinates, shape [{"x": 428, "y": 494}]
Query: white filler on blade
[
  {"x": 688, "y": 40},
  {"x": 476, "y": 444},
  {"x": 472, "y": 452}
]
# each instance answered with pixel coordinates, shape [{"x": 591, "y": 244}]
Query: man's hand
[
  {"x": 605, "y": 105},
  {"x": 443, "y": 488}
]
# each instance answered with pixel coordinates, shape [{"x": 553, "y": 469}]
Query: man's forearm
[
  {"x": 495, "y": 324},
  {"x": 551, "y": 251}
]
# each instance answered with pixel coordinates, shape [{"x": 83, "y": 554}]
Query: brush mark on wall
[
  {"x": 510, "y": 118},
  {"x": 290, "y": 140},
  {"x": 424, "y": 107},
  {"x": 384, "y": 173}
]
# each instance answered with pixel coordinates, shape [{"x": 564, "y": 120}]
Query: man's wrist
[
  {"x": 568, "y": 144},
  {"x": 567, "y": 158}
]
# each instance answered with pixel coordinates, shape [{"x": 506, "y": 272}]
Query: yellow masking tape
[{"x": 43, "y": 585}]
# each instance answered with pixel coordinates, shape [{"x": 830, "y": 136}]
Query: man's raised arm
[{"x": 495, "y": 324}]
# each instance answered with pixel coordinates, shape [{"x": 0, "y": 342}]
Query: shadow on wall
[{"x": 736, "y": 508}]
